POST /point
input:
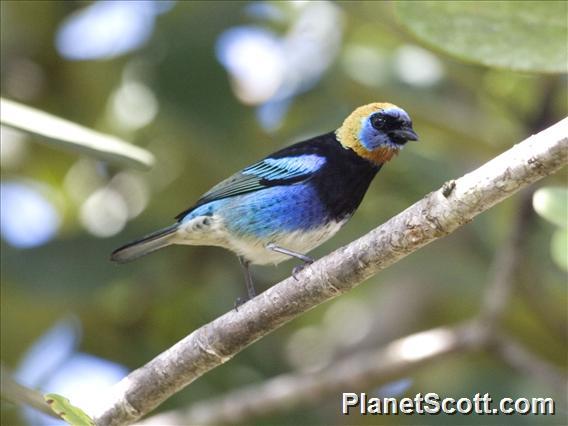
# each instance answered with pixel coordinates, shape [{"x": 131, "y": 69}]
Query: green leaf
[
  {"x": 559, "y": 248},
  {"x": 552, "y": 204},
  {"x": 65, "y": 134},
  {"x": 515, "y": 35},
  {"x": 71, "y": 414}
]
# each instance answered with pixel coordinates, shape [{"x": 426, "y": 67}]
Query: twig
[
  {"x": 527, "y": 363},
  {"x": 541, "y": 302},
  {"x": 18, "y": 394},
  {"x": 506, "y": 264},
  {"x": 503, "y": 283},
  {"x": 436, "y": 215}
]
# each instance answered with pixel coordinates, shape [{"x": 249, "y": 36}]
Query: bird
[{"x": 291, "y": 201}]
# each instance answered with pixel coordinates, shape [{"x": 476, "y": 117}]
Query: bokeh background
[{"x": 210, "y": 87}]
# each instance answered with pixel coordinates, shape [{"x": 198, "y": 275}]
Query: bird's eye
[{"x": 378, "y": 120}]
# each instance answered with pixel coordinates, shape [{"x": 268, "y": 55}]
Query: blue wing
[{"x": 268, "y": 172}]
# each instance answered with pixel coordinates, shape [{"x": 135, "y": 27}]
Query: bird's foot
[
  {"x": 240, "y": 301},
  {"x": 299, "y": 268}
]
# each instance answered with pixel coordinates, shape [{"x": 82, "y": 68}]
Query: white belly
[
  {"x": 212, "y": 232},
  {"x": 299, "y": 241}
]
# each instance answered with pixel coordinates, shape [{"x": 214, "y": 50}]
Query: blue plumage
[
  {"x": 291, "y": 201},
  {"x": 278, "y": 209},
  {"x": 274, "y": 211},
  {"x": 285, "y": 167}
]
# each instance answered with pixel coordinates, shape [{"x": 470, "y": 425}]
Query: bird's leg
[
  {"x": 248, "y": 281},
  {"x": 291, "y": 253},
  {"x": 306, "y": 259}
]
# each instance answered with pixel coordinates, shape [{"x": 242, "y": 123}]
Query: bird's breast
[{"x": 292, "y": 217}]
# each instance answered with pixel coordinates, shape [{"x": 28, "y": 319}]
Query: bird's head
[{"x": 377, "y": 131}]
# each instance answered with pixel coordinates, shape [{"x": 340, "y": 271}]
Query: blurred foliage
[
  {"x": 559, "y": 247},
  {"x": 551, "y": 203},
  {"x": 170, "y": 95},
  {"x": 516, "y": 35},
  {"x": 63, "y": 133}
]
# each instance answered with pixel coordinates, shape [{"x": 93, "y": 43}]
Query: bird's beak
[{"x": 406, "y": 133}]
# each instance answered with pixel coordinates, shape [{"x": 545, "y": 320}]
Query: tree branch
[
  {"x": 366, "y": 369},
  {"x": 506, "y": 264},
  {"x": 526, "y": 362},
  {"x": 436, "y": 215},
  {"x": 377, "y": 367},
  {"x": 504, "y": 271}
]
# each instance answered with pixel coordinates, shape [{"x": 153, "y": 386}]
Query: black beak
[
  {"x": 408, "y": 134},
  {"x": 403, "y": 135}
]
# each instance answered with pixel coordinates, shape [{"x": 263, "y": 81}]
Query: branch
[
  {"x": 377, "y": 367},
  {"x": 366, "y": 369},
  {"x": 506, "y": 264},
  {"x": 433, "y": 217},
  {"x": 357, "y": 372},
  {"x": 504, "y": 270},
  {"x": 519, "y": 358}
]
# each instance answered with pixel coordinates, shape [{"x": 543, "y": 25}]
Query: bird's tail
[{"x": 145, "y": 245}]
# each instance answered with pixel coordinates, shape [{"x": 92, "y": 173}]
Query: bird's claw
[
  {"x": 299, "y": 268},
  {"x": 239, "y": 302}
]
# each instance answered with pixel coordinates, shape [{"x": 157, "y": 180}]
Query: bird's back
[
  {"x": 340, "y": 182},
  {"x": 302, "y": 195}
]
